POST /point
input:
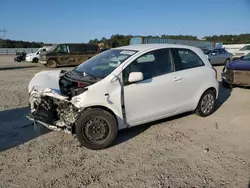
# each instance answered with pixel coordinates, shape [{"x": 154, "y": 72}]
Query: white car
[
  {"x": 121, "y": 88},
  {"x": 242, "y": 52},
  {"x": 34, "y": 57}
]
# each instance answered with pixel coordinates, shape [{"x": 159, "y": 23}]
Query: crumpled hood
[
  {"x": 46, "y": 79},
  {"x": 239, "y": 65}
]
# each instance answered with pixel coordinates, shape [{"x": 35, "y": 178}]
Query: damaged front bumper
[
  {"x": 52, "y": 110},
  {"x": 51, "y": 127}
]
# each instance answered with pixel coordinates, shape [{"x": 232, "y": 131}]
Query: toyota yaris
[{"x": 121, "y": 88}]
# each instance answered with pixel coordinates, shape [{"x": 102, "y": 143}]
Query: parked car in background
[
  {"x": 68, "y": 54},
  {"x": 232, "y": 48},
  {"x": 218, "y": 56},
  {"x": 242, "y": 52},
  {"x": 121, "y": 88},
  {"x": 237, "y": 72},
  {"x": 34, "y": 57},
  {"x": 20, "y": 57}
]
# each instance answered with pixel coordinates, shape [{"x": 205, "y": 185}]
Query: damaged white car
[{"x": 121, "y": 88}]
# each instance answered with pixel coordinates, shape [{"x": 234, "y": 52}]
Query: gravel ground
[{"x": 184, "y": 151}]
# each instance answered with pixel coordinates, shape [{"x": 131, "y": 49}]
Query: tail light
[{"x": 215, "y": 72}]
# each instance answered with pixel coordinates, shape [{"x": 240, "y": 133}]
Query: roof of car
[{"x": 143, "y": 47}]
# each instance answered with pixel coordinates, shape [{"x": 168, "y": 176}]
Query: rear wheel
[
  {"x": 206, "y": 105},
  {"x": 96, "y": 129},
  {"x": 51, "y": 63}
]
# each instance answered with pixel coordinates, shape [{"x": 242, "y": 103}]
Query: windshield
[
  {"x": 104, "y": 63},
  {"x": 247, "y": 57},
  {"x": 207, "y": 52}
]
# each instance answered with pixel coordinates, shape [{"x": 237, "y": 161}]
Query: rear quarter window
[{"x": 186, "y": 59}]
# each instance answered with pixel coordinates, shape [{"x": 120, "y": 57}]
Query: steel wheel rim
[
  {"x": 96, "y": 129},
  {"x": 207, "y": 103}
]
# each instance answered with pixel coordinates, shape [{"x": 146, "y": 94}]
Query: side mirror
[
  {"x": 135, "y": 77},
  {"x": 214, "y": 54}
]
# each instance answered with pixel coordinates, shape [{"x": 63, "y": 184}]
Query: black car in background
[{"x": 20, "y": 57}]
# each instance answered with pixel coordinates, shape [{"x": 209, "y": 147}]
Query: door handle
[{"x": 177, "y": 79}]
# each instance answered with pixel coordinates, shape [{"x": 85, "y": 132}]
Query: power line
[{"x": 3, "y": 34}]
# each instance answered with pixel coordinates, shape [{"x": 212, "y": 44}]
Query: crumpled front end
[
  {"x": 236, "y": 77},
  {"x": 227, "y": 75},
  {"x": 52, "y": 110}
]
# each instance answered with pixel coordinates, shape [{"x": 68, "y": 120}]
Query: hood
[
  {"x": 239, "y": 65},
  {"x": 68, "y": 83},
  {"x": 30, "y": 54},
  {"x": 46, "y": 79}
]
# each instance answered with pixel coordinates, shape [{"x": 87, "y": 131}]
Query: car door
[
  {"x": 155, "y": 96},
  {"x": 222, "y": 56},
  {"x": 62, "y": 53},
  {"x": 192, "y": 71},
  {"x": 214, "y": 57}
]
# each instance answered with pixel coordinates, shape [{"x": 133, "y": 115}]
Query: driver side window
[
  {"x": 151, "y": 64},
  {"x": 62, "y": 49}
]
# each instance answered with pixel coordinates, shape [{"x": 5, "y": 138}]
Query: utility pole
[{"x": 3, "y": 34}]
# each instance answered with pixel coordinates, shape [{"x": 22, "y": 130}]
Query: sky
[{"x": 57, "y": 21}]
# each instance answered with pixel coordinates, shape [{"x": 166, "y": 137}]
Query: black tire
[
  {"x": 35, "y": 60},
  {"x": 51, "y": 63},
  {"x": 87, "y": 127},
  {"x": 200, "y": 110}
]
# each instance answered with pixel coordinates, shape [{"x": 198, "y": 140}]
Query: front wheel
[
  {"x": 206, "y": 105},
  {"x": 35, "y": 60},
  {"x": 96, "y": 129}
]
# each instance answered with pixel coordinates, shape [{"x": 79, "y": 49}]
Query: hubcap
[
  {"x": 207, "y": 103},
  {"x": 96, "y": 129}
]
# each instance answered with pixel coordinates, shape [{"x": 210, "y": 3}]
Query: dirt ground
[{"x": 184, "y": 151}]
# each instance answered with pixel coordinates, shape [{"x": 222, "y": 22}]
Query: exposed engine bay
[
  {"x": 53, "y": 108},
  {"x": 73, "y": 83}
]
